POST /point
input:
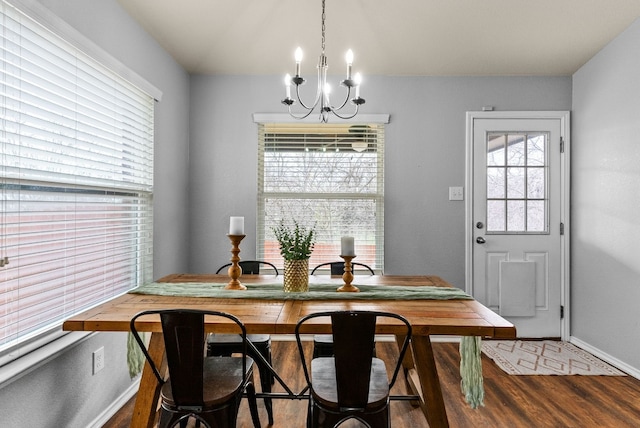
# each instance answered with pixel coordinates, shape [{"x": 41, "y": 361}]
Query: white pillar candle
[
  {"x": 347, "y": 246},
  {"x": 236, "y": 226}
]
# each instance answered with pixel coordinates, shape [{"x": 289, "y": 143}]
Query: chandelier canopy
[{"x": 322, "y": 94}]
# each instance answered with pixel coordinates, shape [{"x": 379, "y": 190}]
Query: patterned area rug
[{"x": 545, "y": 357}]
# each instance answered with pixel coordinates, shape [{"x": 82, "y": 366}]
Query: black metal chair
[
  {"x": 337, "y": 268},
  {"x": 322, "y": 343},
  {"x": 206, "y": 389},
  {"x": 228, "y": 344},
  {"x": 352, "y": 384},
  {"x": 251, "y": 267}
]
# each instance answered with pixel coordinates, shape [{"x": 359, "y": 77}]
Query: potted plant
[{"x": 296, "y": 245}]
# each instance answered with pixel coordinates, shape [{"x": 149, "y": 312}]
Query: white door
[{"x": 517, "y": 229}]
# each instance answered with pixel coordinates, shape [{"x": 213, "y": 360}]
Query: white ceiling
[{"x": 388, "y": 37}]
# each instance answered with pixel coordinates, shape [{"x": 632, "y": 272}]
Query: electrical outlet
[
  {"x": 98, "y": 360},
  {"x": 456, "y": 193}
]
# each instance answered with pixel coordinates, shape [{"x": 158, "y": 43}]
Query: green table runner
[
  {"x": 470, "y": 356},
  {"x": 316, "y": 292}
]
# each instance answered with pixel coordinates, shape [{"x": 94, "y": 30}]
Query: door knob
[{"x": 480, "y": 240}]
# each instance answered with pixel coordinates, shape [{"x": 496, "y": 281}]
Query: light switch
[{"x": 456, "y": 193}]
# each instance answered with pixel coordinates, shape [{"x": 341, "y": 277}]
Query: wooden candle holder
[
  {"x": 347, "y": 277},
  {"x": 235, "y": 271}
]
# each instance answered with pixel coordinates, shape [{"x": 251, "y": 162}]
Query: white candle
[
  {"x": 298, "y": 56},
  {"x": 287, "y": 85},
  {"x": 349, "y": 63},
  {"x": 236, "y": 226},
  {"x": 347, "y": 246}
]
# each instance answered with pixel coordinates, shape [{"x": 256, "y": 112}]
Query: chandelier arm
[
  {"x": 301, "y": 116},
  {"x": 315, "y": 103},
  {"x": 346, "y": 100},
  {"x": 346, "y": 117}
]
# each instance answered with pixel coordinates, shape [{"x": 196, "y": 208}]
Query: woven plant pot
[{"x": 296, "y": 275}]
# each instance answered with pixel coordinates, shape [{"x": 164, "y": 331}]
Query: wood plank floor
[{"x": 510, "y": 401}]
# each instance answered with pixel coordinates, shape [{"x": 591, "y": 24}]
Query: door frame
[{"x": 565, "y": 201}]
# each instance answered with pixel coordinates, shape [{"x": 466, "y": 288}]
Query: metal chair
[
  {"x": 323, "y": 343},
  {"x": 227, "y": 344},
  {"x": 352, "y": 384},
  {"x": 337, "y": 268},
  {"x": 207, "y": 389},
  {"x": 251, "y": 267}
]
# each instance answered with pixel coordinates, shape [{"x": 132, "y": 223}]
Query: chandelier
[{"x": 322, "y": 93}]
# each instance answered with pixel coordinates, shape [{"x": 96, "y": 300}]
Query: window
[
  {"x": 76, "y": 181},
  {"x": 517, "y": 169},
  {"x": 327, "y": 176}
]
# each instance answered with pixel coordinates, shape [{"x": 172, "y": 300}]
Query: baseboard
[
  {"x": 631, "y": 371},
  {"x": 112, "y": 409}
]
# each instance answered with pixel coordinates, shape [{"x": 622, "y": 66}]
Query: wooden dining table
[{"x": 464, "y": 317}]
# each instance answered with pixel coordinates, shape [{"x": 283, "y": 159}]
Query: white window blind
[
  {"x": 327, "y": 176},
  {"x": 76, "y": 180}
]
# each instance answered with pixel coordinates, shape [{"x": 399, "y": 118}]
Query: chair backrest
[
  {"x": 337, "y": 268},
  {"x": 184, "y": 341},
  {"x": 250, "y": 267},
  {"x": 353, "y": 341}
]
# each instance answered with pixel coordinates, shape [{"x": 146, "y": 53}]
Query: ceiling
[{"x": 388, "y": 37}]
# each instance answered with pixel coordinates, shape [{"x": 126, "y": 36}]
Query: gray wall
[
  {"x": 605, "y": 268},
  {"x": 425, "y": 154},
  {"x": 62, "y": 392}
]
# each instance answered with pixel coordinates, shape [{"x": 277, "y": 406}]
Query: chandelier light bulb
[
  {"x": 357, "y": 79},
  {"x": 298, "y": 56},
  {"x": 349, "y": 57},
  {"x": 287, "y": 84}
]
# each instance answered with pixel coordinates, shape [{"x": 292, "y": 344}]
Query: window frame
[
  {"x": 329, "y": 250},
  {"x": 24, "y": 344}
]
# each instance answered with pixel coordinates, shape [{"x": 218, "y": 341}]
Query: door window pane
[
  {"x": 495, "y": 183},
  {"x": 515, "y": 183},
  {"x": 515, "y": 150},
  {"x": 535, "y": 183},
  {"x": 515, "y": 216},
  {"x": 496, "y": 144},
  {"x": 535, "y": 216},
  {"x": 536, "y": 150},
  {"x": 496, "y": 215}
]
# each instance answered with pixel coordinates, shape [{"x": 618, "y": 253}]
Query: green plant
[{"x": 295, "y": 243}]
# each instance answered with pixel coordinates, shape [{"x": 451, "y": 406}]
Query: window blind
[
  {"x": 76, "y": 180},
  {"x": 326, "y": 176}
]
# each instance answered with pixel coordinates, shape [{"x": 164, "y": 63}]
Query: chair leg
[
  {"x": 310, "y": 414},
  {"x": 253, "y": 404},
  {"x": 266, "y": 379},
  {"x": 170, "y": 419},
  {"x": 268, "y": 404}
]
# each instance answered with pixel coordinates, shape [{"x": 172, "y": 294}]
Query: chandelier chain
[{"x": 323, "y": 27}]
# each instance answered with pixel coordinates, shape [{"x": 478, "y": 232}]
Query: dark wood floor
[{"x": 510, "y": 401}]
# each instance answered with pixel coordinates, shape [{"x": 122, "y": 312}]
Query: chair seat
[
  {"x": 222, "y": 380},
  {"x": 323, "y": 377}
]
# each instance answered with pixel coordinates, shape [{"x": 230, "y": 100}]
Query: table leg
[
  {"x": 409, "y": 370},
  {"x": 144, "y": 412},
  {"x": 426, "y": 375}
]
